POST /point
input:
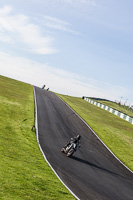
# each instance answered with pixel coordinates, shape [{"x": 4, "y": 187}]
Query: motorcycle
[{"x": 69, "y": 149}]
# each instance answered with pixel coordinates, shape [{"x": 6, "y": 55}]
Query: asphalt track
[{"x": 92, "y": 173}]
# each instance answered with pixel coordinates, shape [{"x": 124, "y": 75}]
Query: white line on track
[{"x": 36, "y": 126}]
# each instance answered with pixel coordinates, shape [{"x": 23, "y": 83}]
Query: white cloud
[
  {"x": 5, "y": 38},
  {"x": 57, "y": 24},
  {"x": 56, "y": 79},
  {"x": 18, "y": 29},
  {"x": 5, "y": 10}
]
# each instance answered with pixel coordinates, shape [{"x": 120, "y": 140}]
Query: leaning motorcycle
[{"x": 70, "y": 149}]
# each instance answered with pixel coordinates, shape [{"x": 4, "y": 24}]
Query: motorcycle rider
[{"x": 75, "y": 139}]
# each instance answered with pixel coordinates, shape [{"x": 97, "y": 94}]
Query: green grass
[
  {"x": 24, "y": 174},
  {"x": 121, "y": 108},
  {"x": 115, "y": 132}
]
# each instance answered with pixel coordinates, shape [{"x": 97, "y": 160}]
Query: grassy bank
[
  {"x": 116, "y": 133},
  {"x": 24, "y": 174}
]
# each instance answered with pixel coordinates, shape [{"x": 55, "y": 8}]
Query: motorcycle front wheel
[
  {"x": 70, "y": 153},
  {"x": 63, "y": 150}
]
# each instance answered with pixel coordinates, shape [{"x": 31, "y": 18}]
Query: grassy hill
[
  {"x": 115, "y": 132},
  {"x": 24, "y": 174}
]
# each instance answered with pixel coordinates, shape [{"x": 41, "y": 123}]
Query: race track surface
[{"x": 92, "y": 173}]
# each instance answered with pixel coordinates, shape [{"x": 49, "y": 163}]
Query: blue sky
[{"x": 74, "y": 47}]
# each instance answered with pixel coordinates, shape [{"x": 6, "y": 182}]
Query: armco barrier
[{"x": 111, "y": 110}]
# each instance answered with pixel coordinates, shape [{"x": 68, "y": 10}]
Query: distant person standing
[{"x": 43, "y": 87}]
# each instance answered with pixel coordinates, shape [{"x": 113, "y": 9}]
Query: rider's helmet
[{"x": 78, "y": 137}]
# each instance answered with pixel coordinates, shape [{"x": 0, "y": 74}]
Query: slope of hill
[{"x": 24, "y": 174}]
